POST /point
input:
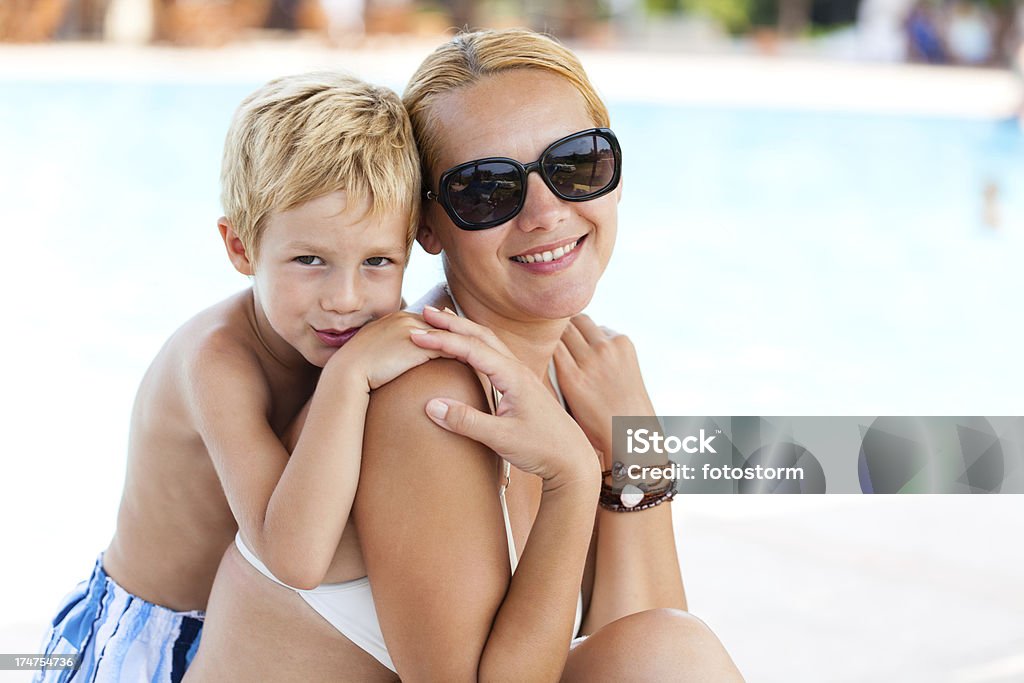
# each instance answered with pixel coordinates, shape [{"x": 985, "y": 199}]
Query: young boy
[{"x": 320, "y": 185}]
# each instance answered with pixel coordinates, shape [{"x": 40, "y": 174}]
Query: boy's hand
[
  {"x": 529, "y": 428},
  {"x": 599, "y": 374},
  {"x": 382, "y": 351}
]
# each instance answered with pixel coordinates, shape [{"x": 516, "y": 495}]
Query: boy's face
[{"x": 326, "y": 268}]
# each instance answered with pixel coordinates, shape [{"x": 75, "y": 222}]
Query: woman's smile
[{"x": 551, "y": 258}]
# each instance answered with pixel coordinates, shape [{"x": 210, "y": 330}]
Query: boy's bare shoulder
[
  {"x": 219, "y": 345},
  {"x": 224, "y": 327}
]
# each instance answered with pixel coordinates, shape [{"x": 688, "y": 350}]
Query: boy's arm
[{"x": 292, "y": 510}]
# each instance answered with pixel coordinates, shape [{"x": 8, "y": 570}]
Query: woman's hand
[
  {"x": 529, "y": 429},
  {"x": 599, "y": 375}
]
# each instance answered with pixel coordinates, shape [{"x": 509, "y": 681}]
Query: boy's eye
[
  {"x": 377, "y": 261},
  {"x": 309, "y": 260}
]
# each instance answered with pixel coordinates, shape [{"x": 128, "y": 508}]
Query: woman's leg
[{"x": 657, "y": 644}]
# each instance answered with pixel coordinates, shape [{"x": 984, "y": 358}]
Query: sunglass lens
[
  {"x": 580, "y": 166},
  {"x": 486, "y": 192}
]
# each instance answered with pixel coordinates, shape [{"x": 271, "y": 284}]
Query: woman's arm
[
  {"x": 636, "y": 567},
  {"x": 432, "y": 531}
]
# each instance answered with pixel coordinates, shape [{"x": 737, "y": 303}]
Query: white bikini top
[
  {"x": 506, "y": 468},
  {"x": 349, "y": 606}
]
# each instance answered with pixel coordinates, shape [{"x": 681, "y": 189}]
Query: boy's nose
[{"x": 342, "y": 294}]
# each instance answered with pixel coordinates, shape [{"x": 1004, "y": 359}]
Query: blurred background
[
  {"x": 823, "y": 214},
  {"x": 965, "y": 32}
]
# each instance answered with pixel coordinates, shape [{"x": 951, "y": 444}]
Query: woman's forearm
[
  {"x": 532, "y": 629},
  {"x": 636, "y": 567}
]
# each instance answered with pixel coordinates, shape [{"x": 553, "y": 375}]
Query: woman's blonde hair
[
  {"x": 470, "y": 57},
  {"x": 301, "y": 137}
]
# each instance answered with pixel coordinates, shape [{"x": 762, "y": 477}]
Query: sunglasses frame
[{"x": 441, "y": 197}]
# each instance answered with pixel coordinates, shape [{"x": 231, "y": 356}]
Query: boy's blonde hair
[
  {"x": 470, "y": 57},
  {"x": 301, "y": 137}
]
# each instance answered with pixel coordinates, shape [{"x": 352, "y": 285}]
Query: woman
[{"x": 436, "y": 539}]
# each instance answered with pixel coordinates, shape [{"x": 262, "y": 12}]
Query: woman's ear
[
  {"x": 427, "y": 238},
  {"x": 236, "y": 250}
]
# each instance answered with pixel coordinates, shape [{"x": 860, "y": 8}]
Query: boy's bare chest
[{"x": 289, "y": 395}]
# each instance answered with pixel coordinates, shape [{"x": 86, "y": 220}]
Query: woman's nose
[{"x": 542, "y": 210}]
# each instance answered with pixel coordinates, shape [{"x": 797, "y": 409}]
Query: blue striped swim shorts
[{"x": 119, "y": 637}]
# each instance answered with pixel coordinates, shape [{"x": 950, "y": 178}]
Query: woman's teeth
[{"x": 547, "y": 255}]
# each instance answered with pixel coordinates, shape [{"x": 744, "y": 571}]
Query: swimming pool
[
  {"x": 769, "y": 262},
  {"x": 767, "y": 259}
]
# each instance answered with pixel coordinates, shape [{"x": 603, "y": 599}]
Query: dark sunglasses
[{"x": 487, "y": 192}]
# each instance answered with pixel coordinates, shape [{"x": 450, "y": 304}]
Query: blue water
[
  {"x": 768, "y": 261},
  {"x": 827, "y": 262}
]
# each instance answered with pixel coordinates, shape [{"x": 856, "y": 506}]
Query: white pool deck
[
  {"x": 837, "y": 588},
  {"x": 728, "y": 80}
]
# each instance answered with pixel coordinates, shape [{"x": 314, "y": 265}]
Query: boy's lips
[{"x": 336, "y": 338}]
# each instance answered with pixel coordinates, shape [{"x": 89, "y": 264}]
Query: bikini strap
[
  {"x": 506, "y": 468},
  {"x": 513, "y": 556}
]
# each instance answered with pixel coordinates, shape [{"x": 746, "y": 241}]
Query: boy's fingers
[
  {"x": 453, "y": 323},
  {"x": 450, "y": 321},
  {"x": 499, "y": 368}
]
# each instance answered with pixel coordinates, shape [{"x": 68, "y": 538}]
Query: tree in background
[
  {"x": 733, "y": 15},
  {"x": 1006, "y": 37},
  {"x": 791, "y": 18}
]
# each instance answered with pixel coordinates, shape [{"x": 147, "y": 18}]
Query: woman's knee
[{"x": 664, "y": 644}]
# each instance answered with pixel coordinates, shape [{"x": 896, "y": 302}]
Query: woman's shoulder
[
  {"x": 400, "y": 403},
  {"x": 437, "y": 378},
  {"x": 437, "y": 296},
  {"x": 399, "y": 435}
]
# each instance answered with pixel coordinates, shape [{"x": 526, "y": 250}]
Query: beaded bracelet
[
  {"x": 611, "y": 500},
  {"x": 620, "y": 507},
  {"x": 609, "y": 494}
]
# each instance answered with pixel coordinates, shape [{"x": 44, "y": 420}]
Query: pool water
[
  {"x": 768, "y": 262},
  {"x": 826, "y": 263}
]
